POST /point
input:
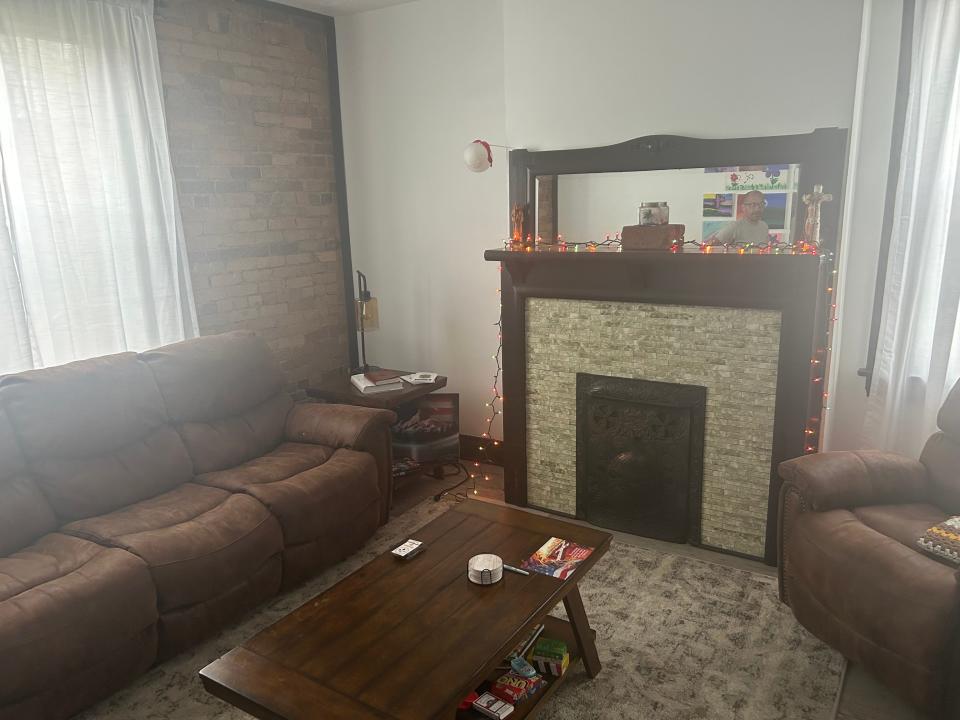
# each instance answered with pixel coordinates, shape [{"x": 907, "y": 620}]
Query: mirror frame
[{"x": 821, "y": 154}]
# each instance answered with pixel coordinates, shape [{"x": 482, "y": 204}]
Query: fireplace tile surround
[
  {"x": 733, "y": 352},
  {"x": 740, "y": 290}
]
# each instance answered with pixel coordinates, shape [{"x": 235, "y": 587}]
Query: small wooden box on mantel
[{"x": 651, "y": 237}]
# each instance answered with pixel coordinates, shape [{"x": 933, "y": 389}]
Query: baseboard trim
[{"x": 470, "y": 450}]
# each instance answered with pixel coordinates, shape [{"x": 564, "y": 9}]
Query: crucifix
[
  {"x": 518, "y": 217},
  {"x": 811, "y": 226}
]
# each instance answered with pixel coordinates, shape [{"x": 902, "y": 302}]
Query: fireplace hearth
[{"x": 640, "y": 456}]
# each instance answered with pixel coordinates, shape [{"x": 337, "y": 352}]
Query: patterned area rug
[{"x": 679, "y": 639}]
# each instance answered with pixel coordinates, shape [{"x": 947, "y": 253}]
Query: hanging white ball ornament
[{"x": 477, "y": 156}]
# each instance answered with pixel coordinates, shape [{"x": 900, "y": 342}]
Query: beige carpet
[{"x": 678, "y": 638}]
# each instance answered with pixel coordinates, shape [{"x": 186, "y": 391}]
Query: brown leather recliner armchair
[{"x": 853, "y": 574}]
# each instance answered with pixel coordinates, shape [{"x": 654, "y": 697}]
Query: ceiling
[{"x": 341, "y": 7}]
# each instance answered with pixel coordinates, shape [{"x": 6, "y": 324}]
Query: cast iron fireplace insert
[{"x": 640, "y": 456}]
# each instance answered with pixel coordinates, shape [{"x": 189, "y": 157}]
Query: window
[{"x": 92, "y": 259}]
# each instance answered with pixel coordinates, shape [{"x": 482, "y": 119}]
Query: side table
[{"x": 338, "y": 389}]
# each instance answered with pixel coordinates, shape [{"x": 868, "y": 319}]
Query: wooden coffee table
[{"x": 408, "y": 639}]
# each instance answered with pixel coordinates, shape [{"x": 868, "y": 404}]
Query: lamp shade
[{"x": 477, "y": 156}]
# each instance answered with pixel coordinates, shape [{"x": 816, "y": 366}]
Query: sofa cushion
[
  {"x": 948, "y": 419},
  {"x": 319, "y": 500},
  {"x": 25, "y": 514},
  {"x": 198, "y": 541},
  {"x": 875, "y": 586},
  {"x": 237, "y": 438},
  {"x": 903, "y": 523},
  {"x": 95, "y": 681},
  {"x": 941, "y": 456},
  {"x": 65, "y": 604},
  {"x": 284, "y": 462},
  {"x": 225, "y": 393},
  {"x": 94, "y": 434}
]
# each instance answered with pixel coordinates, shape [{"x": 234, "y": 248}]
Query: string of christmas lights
[
  {"x": 493, "y": 411},
  {"x": 736, "y": 248},
  {"x": 770, "y": 248},
  {"x": 819, "y": 362},
  {"x": 495, "y": 388},
  {"x": 819, "y": 374}
]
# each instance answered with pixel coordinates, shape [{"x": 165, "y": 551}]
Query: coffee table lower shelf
[{"x": 553, "y": 628}]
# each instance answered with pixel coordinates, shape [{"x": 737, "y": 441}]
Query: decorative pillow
[{"x": 943, "y": 540}]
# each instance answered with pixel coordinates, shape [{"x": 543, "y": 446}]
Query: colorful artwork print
[
  {"x": 774, "y": 213},
  {"x": 718, "y": 205},
  {"x": 557, "y": 558},
  {"x": 713, "y": 226},
  {"x": 760, "y": 177}
]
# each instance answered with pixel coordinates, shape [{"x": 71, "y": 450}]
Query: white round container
[{"x": 485, "y": 569}]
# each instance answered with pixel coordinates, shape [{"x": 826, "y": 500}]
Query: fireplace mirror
[
  {"x": 586, "y": 193},
  {"x": 591, "y": 207}
]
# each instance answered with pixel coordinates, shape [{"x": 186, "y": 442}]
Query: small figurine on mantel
[
  {"x": 811, "y": 226},
  {"x": 518, "y": 218}
]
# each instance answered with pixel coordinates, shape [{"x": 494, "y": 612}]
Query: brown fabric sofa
[
  {"x": 147, "y": 500},
  {"x": 852, "y": 572}
]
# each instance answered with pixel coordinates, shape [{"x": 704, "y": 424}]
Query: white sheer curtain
[
  {"x": 92, "y": 259},
  {"x": 918, "y": 355}
]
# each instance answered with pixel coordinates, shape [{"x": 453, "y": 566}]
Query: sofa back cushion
[
  {"x": 95, "y": 434},
  {"x": 941, "y": 455},
  {"x": 225, "y": 394},
  {"x": 25, "y": 514}
]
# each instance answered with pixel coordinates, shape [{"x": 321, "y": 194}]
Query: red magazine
[{"x": 557, "y": 558}]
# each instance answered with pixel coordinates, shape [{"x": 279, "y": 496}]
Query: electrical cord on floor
[
  {"x": 460, "y": 497},
  {"x": 457, "y": 468}
]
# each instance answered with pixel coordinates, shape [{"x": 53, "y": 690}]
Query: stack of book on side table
[{"x": 375, "y": 381}]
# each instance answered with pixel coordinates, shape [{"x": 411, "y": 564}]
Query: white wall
[
  {"x": 603, "y": 71},
  {"x": 867, "y": 184},
  {"x": 421, "y": 80},
  {"x": 418, "y": 82}
]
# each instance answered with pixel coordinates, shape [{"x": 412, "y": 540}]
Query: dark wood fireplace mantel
[{"x": 787, "y": 283}]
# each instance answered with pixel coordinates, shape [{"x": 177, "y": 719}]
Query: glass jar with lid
[{"x": 654, "y": 213}]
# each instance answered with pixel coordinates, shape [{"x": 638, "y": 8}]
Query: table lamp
[{"x": 367, "y": 317}]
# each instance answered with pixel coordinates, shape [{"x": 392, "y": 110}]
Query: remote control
[{"x": 408, "y": 549}]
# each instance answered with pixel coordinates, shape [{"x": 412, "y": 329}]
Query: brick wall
[{"x": 248, "y": 113}]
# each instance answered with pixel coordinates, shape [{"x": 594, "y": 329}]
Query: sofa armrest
[
  {"x": 832, "y": 480},
  {"x": 846, "y": 479},
  {"x": 348, "y": 426}
]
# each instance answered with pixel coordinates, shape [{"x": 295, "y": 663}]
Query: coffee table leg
[{"x": 581, "y": 631}]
